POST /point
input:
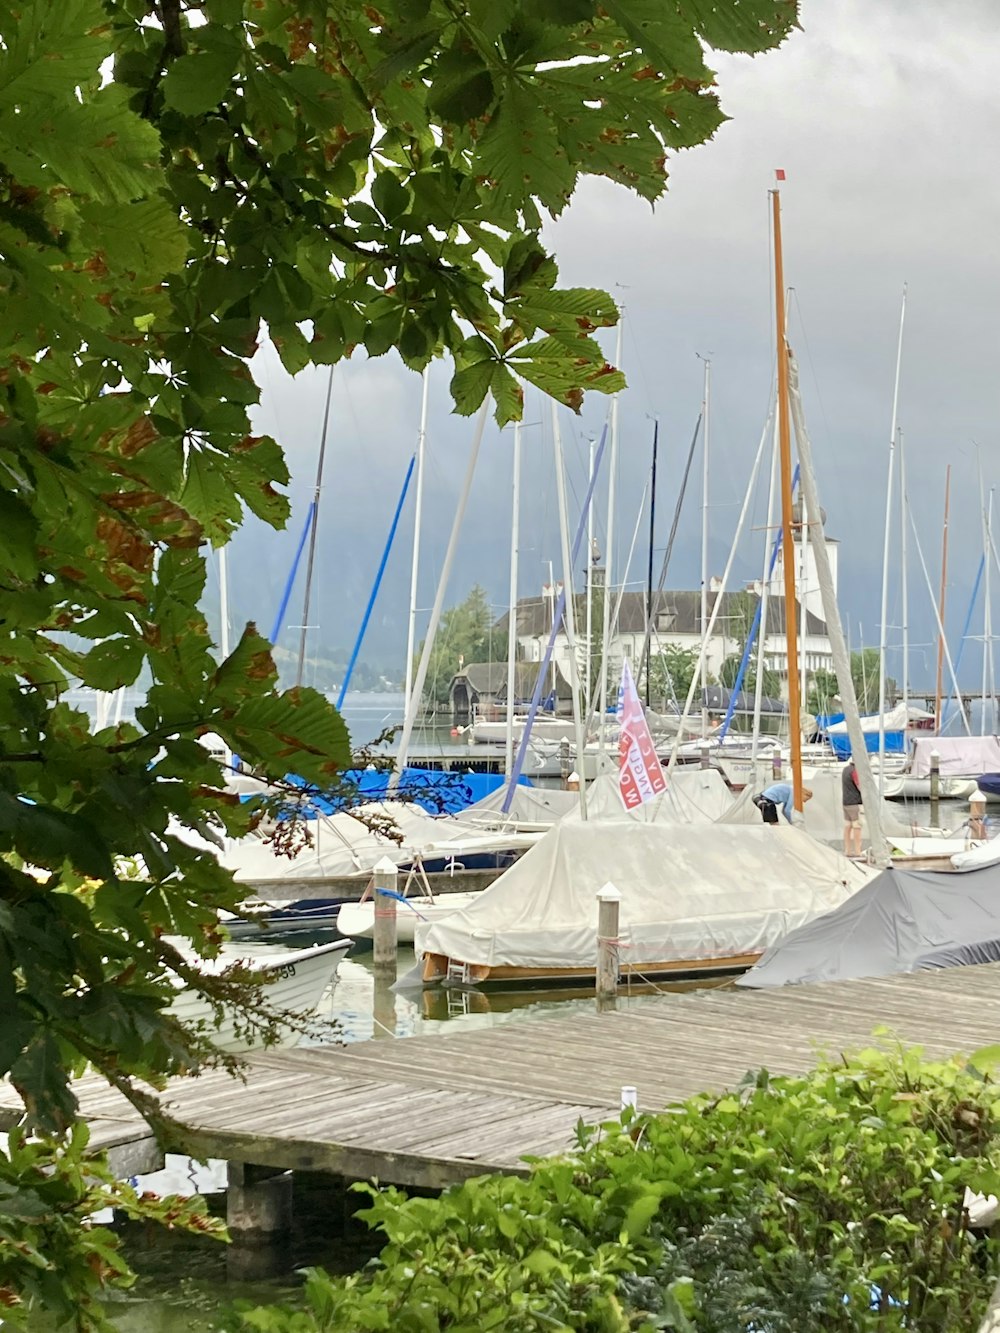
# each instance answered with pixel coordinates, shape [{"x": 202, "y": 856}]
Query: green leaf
[
  {"x": 462, "y": 87},
  {"x": 742, "y": 25},
  {"x": 197, "y": 83},
  {"x": 521, "y": 153},
  {"x": 112, "y": 664}
]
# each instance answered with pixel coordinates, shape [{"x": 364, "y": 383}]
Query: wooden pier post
[
  {"x": 705, "y": 750},
  {"x": 608, "y": 910},
  {"x": 384, "y": 931},
  {"x": 935, "y": 789},
  {"x": 258, "y": 1201},
  {"x": 775, "y": 765}
]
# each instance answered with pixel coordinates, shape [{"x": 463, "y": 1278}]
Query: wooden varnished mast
[{"x": 787, "y": 547}]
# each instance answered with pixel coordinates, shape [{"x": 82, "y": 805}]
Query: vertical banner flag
[{"x": 640, "y": 776}]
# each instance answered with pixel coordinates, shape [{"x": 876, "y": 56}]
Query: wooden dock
[{"x": 427, "y": 1111}]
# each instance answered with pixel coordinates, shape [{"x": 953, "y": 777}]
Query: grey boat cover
[{"x": 901, "y": 921}]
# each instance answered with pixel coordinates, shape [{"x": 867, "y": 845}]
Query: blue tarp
[
  {"x": 840, "y": 741},
  {"x": 435, "y": 791}
]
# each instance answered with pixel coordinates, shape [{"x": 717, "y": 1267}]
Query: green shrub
[{"x": 833, "y": 1201}]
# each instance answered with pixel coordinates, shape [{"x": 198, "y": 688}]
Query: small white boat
[
  {"x": 291, "y": 980},
  {"x": 357, "y": 920},
  {"x": 543, "y": 728}
]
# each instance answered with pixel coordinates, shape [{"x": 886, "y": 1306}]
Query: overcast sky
[{"x": 884, "y": 118}]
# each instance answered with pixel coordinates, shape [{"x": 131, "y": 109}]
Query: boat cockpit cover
[
  {"x": 693, "y": 796},
  {"x": 897, "y": 920},
  {"x": 688, "y": 892},
  {"x": 958, "y": 756}
]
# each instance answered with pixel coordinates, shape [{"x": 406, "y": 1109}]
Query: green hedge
[{"x": 830, "y": 1201}]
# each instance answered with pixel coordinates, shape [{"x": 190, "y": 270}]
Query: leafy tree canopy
[
  {"x": 467, "y": 633},
  {"x": 175, "y": 175}
]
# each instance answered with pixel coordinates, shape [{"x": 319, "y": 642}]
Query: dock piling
[
  {"x": 384, "y": 931},
  {"x": 258, "y": 1201},
  {"x": 935, "y": 789},
  {"x": 608, "y": 911}
]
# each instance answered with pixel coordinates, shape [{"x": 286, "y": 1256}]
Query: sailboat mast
[
  {"x": 311, "y": 558},
  {"x": 418, "y": 505},
  {"x": 512, "y": 603},
  {"x": 649, "y": 567},
  {"x": 941, "y": 600},
  {"x": 609, "y": 532},
  {"x": 883, "y": 642},
  {"x": 704, "y": 546},
  {"x": 904, "y": 525},
  {"x": 589, "y": 648},
  {"x": 569, "y": 605},
  {"x": 787, "y": 547}
]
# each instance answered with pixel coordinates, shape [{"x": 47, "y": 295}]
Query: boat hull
[
  {"x": 291, "y": 981},
  {"x": 438, "y": 969},
  {"x": 357, "y": 920}
]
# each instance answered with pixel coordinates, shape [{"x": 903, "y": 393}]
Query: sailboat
[{"x": 693, "y": 902}]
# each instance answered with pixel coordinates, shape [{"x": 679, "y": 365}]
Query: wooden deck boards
[{"x": 430, "y": 1110}]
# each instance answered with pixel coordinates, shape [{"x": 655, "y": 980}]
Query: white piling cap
[
  {"x": 573, "y": 777},
  {"x": 977, "y": 798},
  {"x": 385, "y": 867},
  {"x": 609, "y": 894}
]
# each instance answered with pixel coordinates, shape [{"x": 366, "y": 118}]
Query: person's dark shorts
[{"x": 768, "y": 810}]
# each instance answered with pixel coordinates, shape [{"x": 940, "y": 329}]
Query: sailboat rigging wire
[
  {"x": 757, "y": 615},
  {"x": 377, "y": 584},
  {"x": 707, "y": 631},
  {"x": 418, "y": 515},
  {"x": 651, "y": 616},
  {"x": 834, "y": 627},
  {"x": 286, "y": 595},
  {"x": 652, "y": 537},
  {"x": 884, "y": 622},
  {"x": 311, "y": 559},
  {"x": 965, "y": 632},
  {"x": 543, "y": 665},
  {"x": 449, "y": 557},
  {"x": 592, "y": 702},
  {"x": 942, "y": 641}
]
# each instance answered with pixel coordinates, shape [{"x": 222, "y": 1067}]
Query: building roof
[{"x": 676, "y": 613}]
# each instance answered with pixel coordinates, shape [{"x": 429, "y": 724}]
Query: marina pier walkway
[{"x": 426, "y": 1111}]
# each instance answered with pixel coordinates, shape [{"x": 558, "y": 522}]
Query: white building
[{"x": 677, "y": 622}]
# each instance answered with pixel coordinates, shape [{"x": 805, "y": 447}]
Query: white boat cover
[
  {"x": 693, "y": 796},
  {"x": 960, "y": 756},
  {"x": 342, "y": 845},
  {"x": 896, "y": 719},
  {"x": 823, "y": 815},
  {"x": 902, "y": 921},
  {"x": 531, "y": 807},
  {"x": 688, "y": 892}
]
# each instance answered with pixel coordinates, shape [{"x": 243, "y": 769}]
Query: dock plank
[{"x": 431, "y": 1110}]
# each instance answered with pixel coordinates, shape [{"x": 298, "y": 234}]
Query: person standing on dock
[
  {"x": 778, "y": 794},
  {"x": 851, "y": 797}
]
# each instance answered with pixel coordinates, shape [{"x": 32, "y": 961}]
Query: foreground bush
[{"x": 833, "y": 1201}]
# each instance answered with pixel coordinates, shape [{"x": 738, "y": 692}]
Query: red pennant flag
[
  {"x": 779, "y": 175},
  {"x": 640, "y": 776}
]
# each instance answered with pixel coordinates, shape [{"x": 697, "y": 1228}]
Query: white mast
[
  {"x": 903, "y": 503},
  {"x": 704, "y": 548},
  {"x": 803, "y": 595},
  {"x": 589, "y": 668},
  {"x": 883, "y": 630},
  {"x": 569, "y": 609},
  {"x": 609, "y": 561},
  {"x": 411, "y": 635},
  {"x": 989, "y": 617},
  {"x": 224, "y": 645},
  {"x": 512, "y": 603}
]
